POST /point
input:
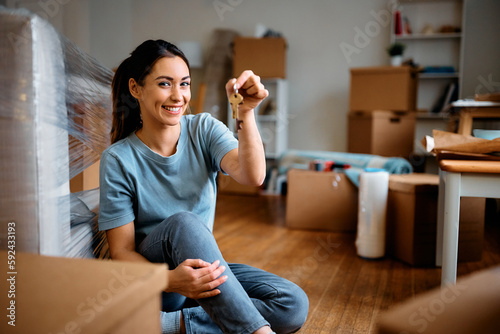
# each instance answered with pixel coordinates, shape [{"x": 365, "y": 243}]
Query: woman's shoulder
[
  {"x": 204, "y": 120},
  {"x": 121, "y": 148},
  {"x": 196, "y": 118}
]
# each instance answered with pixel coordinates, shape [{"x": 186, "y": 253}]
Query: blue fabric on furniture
[{"x": 300, "y": 159}]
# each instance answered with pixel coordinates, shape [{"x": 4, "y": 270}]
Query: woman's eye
[
  {"x": 164, "y": 84},
  {"x": 185, "y": 84}
]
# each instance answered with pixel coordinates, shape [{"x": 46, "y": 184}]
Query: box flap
[
  {"x": 382, "y": 70},
  {"x": 414, "y": 183},
  {"x": 387, "y": 114}
]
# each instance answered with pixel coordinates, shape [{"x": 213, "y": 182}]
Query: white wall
[
  {"x": 317, "y": 69},
  {"x": 481, "y": 70}
]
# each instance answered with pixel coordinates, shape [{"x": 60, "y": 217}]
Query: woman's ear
[{"x": 134, "y": 88}]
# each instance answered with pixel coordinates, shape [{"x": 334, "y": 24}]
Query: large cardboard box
[
  {"x": 471, "y": 306},
  {"x": 321, "y": 201},
  {"x": 412, "y": 221},
  {"x": 381, "y": 132},
  {"x": 385, "y": 88},
  {"x": 68, "y": 295},
  {"x": 266, "y": 57}
]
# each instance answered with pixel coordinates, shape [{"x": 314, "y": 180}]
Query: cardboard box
[
  {"x": 379, "y": 132},
  {"x": 321, "y": 201},
  {"x": 86, "y": 180},
  {"x": 412, "y": 221},
  {"x": 386, "y": 88},
  {"x": 68, "y": 295},
  {"x": 468, "y": 307},
  {"x": 227, "y": 185},
  {"x": 266, "y": 57}
]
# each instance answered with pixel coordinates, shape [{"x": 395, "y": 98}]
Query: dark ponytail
[{"x": 126, "y": 110}]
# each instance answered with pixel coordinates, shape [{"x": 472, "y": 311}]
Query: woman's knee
[
  {"x": 296, "y": 310},
  {"x": 301, "y": 306},
  {"x": 183, "y": 218},
  {"x": 179, "y": 228},
  {"x": 184, "y": 224}
]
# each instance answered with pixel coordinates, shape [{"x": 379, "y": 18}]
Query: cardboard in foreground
[{"x": 67, "y": 295}]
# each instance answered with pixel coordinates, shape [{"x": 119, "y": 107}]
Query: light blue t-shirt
[{"x": 137, "y": 184}]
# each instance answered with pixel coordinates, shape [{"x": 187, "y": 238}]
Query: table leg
[
  {"x": 440, "y": 219},
  {"x": 450, "y": 228}
]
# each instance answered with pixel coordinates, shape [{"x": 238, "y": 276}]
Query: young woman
[{"x": 158, "y": 194}]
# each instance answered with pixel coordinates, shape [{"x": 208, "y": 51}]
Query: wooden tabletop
[{"x": 470, "y": 166}]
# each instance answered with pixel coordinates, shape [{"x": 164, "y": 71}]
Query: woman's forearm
[{"x": 251, "y": 156}]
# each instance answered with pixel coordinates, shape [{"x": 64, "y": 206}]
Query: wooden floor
[{"x": 346, "y": 293}]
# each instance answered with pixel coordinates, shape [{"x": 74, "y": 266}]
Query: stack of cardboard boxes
[
  {"x": 381, "y": 119},
  {"x": 382, "y": 122}
]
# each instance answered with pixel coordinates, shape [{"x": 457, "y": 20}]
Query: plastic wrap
[
  {"x": 55, "y": 117},
  {"x": 372, "y": 209}
]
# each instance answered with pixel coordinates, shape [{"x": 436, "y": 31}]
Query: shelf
[
  {"x": 428, "y": 36},
  {"x": 430, "y": 75},
  {"x": 442, "y": 50},
  {"x": 473, "y": 103},
  {"x": 431, "y": 116}
]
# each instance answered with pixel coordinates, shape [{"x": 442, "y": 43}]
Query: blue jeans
[{"x": 250, "y": 298}]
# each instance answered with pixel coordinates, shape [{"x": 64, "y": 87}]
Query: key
[{"x": 236, "y": 99}]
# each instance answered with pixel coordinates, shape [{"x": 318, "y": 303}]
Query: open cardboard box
[
  {"x": 67, "y": 295},
  {"x": 321, "y": 201}
]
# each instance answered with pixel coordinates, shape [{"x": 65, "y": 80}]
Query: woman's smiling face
[{"x": 165, "y": 93}]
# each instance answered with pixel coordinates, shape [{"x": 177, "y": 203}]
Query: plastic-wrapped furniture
[{"x": 55, "y": 116}]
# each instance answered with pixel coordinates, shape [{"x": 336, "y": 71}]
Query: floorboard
[{"x": 347, "y": 294}]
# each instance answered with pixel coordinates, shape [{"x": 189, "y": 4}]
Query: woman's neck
[{"x": 162, "y": 141}]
